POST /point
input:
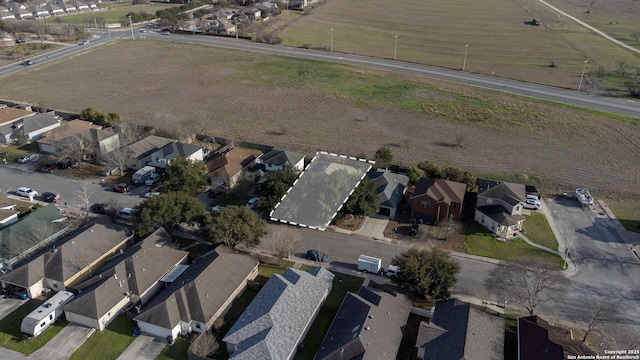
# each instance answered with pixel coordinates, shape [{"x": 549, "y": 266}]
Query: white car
[
  {"x": 252, "y": 203},
  {"x": 26, "y": 192},
  {"x": 217, "y": 208},
  {"x": 125, "y": 213},
  {"x": 151, "y": 194},
  {"x": 27, "y": 158},
  {"x": 532, "y": 204}
]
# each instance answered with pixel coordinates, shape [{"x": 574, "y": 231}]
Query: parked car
[
  {"x": 532, "y": 204},
  {"x": 26, "y": 192},
  {"x": 29, "y": 62},
  {"x": 50, "y": 197},
  {"x": 151, "y": 194},
  {"x": 99, "y": 208},
  {"x": 125, "y": 213},
  {"x": 49, "y": 167},
  {"x": 27, "y": 158},
  {"x": 316, "y": 255},
  {"x": 213, "y": 193},
  {"x": 252, "y": 203},
  {"x": 152, "y": 179},
  {"x": 86, "y": 42},
  {"x": 121, "y": 188},
  {"x": 166, "y": 32},
  {"x": 217, "y": 208}
]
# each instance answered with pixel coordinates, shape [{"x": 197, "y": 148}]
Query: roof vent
[
  {"x": 91, "y": 231},
  {"x": 370, "y": 316},
  {"x": 366, "y": 328}
]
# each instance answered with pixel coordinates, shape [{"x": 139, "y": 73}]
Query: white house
[
  {"x": 279, "y": 159},
  {"x": 161, "y": 157},
  {"x": 499, "y": 209}
]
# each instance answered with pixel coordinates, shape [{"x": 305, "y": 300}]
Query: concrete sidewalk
[
  {"x": 144, "y": 347},
  {"x": 64, "y": 344}
]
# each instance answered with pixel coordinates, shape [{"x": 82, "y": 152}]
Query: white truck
[
  {"x": 392, "y": 270},
  {"x": 141, "y": 175},
  {"x": 369, "y": 264}
]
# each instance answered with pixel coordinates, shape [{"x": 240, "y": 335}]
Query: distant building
[{"x": 390, "y": 188}]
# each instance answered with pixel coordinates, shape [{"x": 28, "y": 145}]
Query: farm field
[
  {"x": 501, "y": 43},
  {"x": 308, "y": 106}
]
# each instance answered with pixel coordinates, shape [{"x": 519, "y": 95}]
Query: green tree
[
  {"x": 384, "y": 158},
  {"x": 276, "y": 186},
  {"x": 470, "y": 179},
  {"x": 431, "y": 169},
  {"x": 364, "y": 200},
  {"x": 167, "y": 210},
  {"x": 234, "y": 225},
  {"x": 415, "y": 174},
  {"x": 426, "y": 273},
  {"x": 454, "y": 174},
  {"x": 185, "y": 175}
]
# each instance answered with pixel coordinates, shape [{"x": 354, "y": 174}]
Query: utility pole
[
  {"x": 582, "y": 75},
  {"x": 331, "y": 39},
  {"x": 395, "y": 48},
  {"x": 131, "y": 26},
  {"x": 573, "y": 229},
  {"x": 237, "y": 29},
  {"x": 464, "y": 63},
  {"x": 108, "y": 29}
]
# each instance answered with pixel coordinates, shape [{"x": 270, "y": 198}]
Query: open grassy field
[
  {"x": 538, "y": 230},
  {"x": 627, "y": 212},
  {"x": 308, "y": 106},
  {"x": 112, "y": 12},
  {"x": 500, "y": 42}
]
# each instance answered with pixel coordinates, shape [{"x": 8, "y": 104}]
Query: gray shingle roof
[
  {"x": 368, "y": 325},
  {"x": 469, "y": 334},
  {"x": 273, "y": 324},
  {"x": 389, "y": 186},
  {"x": 146, "y": 146},
  {"x": 281, "y": 157},
  {"x": 178, "y": 149},
  {"x": 510, "y": 193},
  {"x": 500, "y": 215},
  {"x": 199, "y": 292}
]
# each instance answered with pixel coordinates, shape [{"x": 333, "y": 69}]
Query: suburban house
[
  {"x": 280, "y": 159},
  {"x": 195, "y": 298},
  {"x": 141, "y": 150},
  {"x": 70, "y": 263},
  {"x": 30, "y": 128},
  {"x": 231, "y": 166},
  {"x": 104, "y": 141},
  {"x": 434, "y": 200},
  {"x": 461, "y": 331},
  {"x": 130, "y": 279},
  {"x": 499, "y": 209},
  {"x": 8, "y": 213},
  {"x": 390, "y": 188},
  {"x": 9, "y": 116},
  {"x": 33, "y": 232},
  {"x": 537, "y": 339},
  {"x": 279, "y": 317},
  {"x": 47, "y": 143},
  {"x": 220, "y": 26},
  {"x": 68, "y": 7},
  {"x": 368, "y": 325},
  {"x": 161, "y": 157},
  {"x": 54, "y": 9}
]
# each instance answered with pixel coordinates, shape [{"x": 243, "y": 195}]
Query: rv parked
[
  {"x": 46, "y": 314},
  {"x": 143, "y": 174},
  {"x": 369, "y": 264}
]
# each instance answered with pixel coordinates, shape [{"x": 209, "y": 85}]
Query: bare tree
[
  {"x": 599, "y": 310},
  {"x": 204, "y": 345},
  {"x": 74, "y": 147},
  {"x": 528, "y": 282},
  {"x": 282, "y": 240},
  {"x": 447, "y": 228},
  {"x": 85, "y": 197},
  {"x": 119, "y": 158}
]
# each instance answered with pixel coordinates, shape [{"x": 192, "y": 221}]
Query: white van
[
  {"x": 26, "y": 192},
  {"x": 143, "y": 174},
  {"x": 125, "y": 213}
]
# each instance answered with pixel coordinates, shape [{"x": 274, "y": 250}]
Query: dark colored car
[
  {"x": 315, "y": 255},
  {"x": 99, "y": 208},
  {"x": 49, "y": 167},
  {"x": 121, "y": 188},
  {"x": 50, "y": 197}
]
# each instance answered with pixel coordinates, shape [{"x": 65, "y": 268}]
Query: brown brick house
[{"x": 434, "y": 200}]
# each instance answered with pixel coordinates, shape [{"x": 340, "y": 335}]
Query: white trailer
[
  {"x": 369, "y": 264},
  {"x": 141, "y": 175},
  {"x": 46, "y": 314}
]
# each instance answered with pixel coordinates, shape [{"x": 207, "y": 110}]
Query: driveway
[
  {"x": 144, "y": 347},
  {"x": 373, "y": 227},
  {"x": 8, "y": 305},
  {"x": 63, "y": 345}
]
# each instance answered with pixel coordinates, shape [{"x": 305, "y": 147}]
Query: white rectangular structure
[
  {"x": 46, "y": 314},
  {"x": 369, "y": 264}
]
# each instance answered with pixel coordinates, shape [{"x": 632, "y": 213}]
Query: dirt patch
[
  {"x": 428, "y": 236},
  {"x": 501, "y": 133},
  {"x": 350, "y": 222}
]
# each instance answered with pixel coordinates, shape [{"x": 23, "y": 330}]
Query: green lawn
[
  {"x": 109, "y": 343},
  {"x": 14, "y": 152},
  {"x": 628, "y": 212},
  {"x": 479, "y": 241},
  {"x": 341, "y": 285},
  {"x": 537, "y": 229},
  {"x": 113, "y": 14},
  {"x": 11, "y": 336},
  {"x": 177, "y": 351}
]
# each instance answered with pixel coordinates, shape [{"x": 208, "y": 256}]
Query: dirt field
[
  {"x": 501, "y": 43},
  {"x": 310, "y": 106}
]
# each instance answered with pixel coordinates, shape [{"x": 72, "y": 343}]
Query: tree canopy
[
  {"x": 426, "y": 273},
  {"x": 364, "y": 200},
  {"x": 276, "y": 186},
  {"x": 167, "y": 210},
  {"x": 185, "y": 175},
  {"x": 100, "y": 118},
  {"x": 384, "y": 158},
  {"x": 234, "y": 225}
]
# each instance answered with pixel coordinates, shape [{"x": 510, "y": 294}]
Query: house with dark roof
[
  {"x": 71, "y": 262},
  {"x": 30, "y": 128},
  {"x": 499, "y": 209},
  {"x": 9, "y": 116},
  {"x": 390, "y": 188},
  {"x": 8, "y": 213},
  {"x": 537, "y": 339},
  {"x": 280, "y": 159},
  {"x": 161, "y": 157},
  {"x": 142, "y": 149},
  {"x": 279, "y": 317},
  {"x": 231, "y": 166},
  {"x": 434, "y": 200},
  {"x": 128, "y": 280},
  {"x": 368, "y": 325},
  {"x": 461, "y": 331},
  {"x": 200, "y": 295},
  {"x": 33, "y": 232}
]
